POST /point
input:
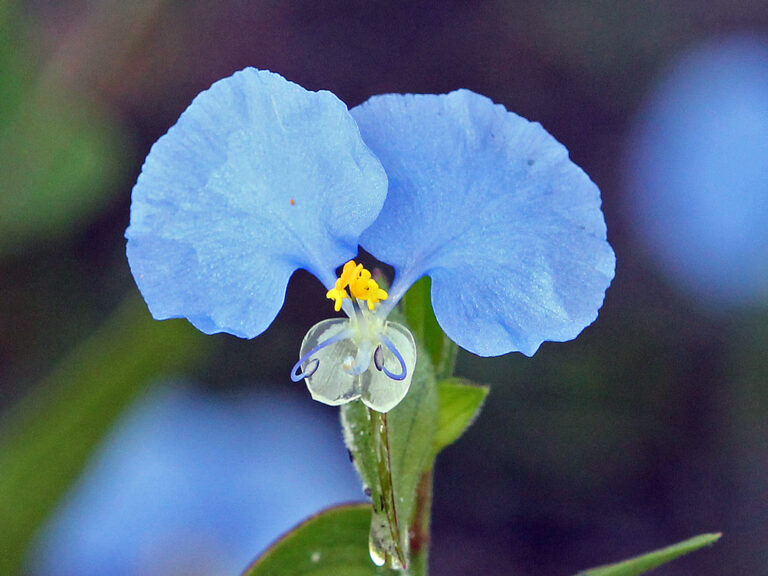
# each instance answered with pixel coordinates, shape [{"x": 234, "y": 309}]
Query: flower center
[
  {"x": 362, "y": 287},
  {"x": 361, "y": 356},
  {"x": 365, "y": 329}
]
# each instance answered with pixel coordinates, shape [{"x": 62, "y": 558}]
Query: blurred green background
[{"x": 647, "y": 429}]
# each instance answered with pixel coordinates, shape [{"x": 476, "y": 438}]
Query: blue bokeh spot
[
  {"x": 190, "y": 482},
  {"x": 696, "y": 172}
]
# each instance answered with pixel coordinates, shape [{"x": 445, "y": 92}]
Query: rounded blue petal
[
  {"x": 489, "y": 206},
  {"x": 259, "y": 177}
]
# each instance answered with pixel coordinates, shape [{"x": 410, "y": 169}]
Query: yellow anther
[
  {"x": 375, "y": 295},
  {"x": 360, "y": 284},
  {"x": 349, "y": 273},
  {"x": 366, "y": 288},
  {"x": 337, "y": 296},
  {"x": 358, "y": 287}
]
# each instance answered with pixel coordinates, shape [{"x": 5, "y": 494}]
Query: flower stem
[
  {"x": 387, "y": 541},
  {"x": 420, "y": 533},
  {"x": 407, "y": 552}
]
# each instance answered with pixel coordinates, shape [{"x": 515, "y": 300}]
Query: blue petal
[
  {"x": 491, "y": 208},
  {"x": 258, "y": 178}
]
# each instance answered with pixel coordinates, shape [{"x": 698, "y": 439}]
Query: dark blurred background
[{"x": 647, "y": 429}]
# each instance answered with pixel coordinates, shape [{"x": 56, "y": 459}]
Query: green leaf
[
  {"x": 420, "y": 318},
  {"x": 14, "y": 63},
  {"x": 459, "y": 405},
  {"x": 647, "y": 562},
  {"x": 358, "y": 437},
  {"x": 47, "y": 437},
  {"x": 59, "y": 157},
  {"x": 410, "y": 428},
  {"x": 417, "y": 308},
  {"x": 332, "y": 543},
  {"x": 58, "y": 164}
]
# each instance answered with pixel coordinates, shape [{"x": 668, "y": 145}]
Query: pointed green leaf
[
  {"x": 459, "y": 405},
  {"x": 331, "y": 543},
  {"x": 647, "y": 562}
]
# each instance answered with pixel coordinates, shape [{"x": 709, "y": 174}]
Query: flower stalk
[{"x": 386, "y": 544}]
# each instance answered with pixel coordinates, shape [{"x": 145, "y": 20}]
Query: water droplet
[
  {"x": 381, "y": 547},
  {"x": 376, "y": 556}
]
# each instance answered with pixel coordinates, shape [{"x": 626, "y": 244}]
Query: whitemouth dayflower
[{"x": 260, "y": 177}]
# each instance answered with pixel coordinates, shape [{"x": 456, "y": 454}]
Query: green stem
[
  {"x": 420, "y": 533},
  {"x": 393, "y": 554}
]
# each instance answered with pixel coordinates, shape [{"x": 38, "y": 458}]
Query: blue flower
[{"x": 260, "y": 177}]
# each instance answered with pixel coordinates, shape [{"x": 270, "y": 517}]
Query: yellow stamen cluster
[{"x": 360, "y": 284}]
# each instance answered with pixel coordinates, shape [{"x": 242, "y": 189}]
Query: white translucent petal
[
  {"x": 330, "y": 384},
  {"x": 381, "y": 392}
]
